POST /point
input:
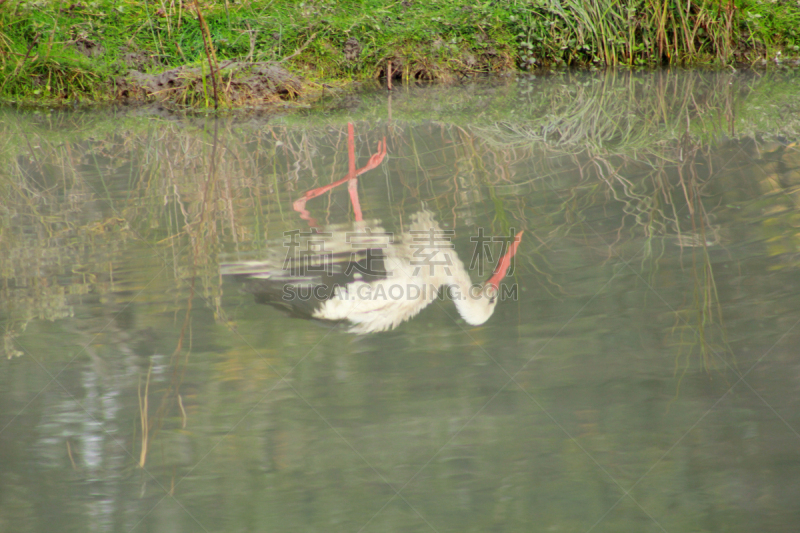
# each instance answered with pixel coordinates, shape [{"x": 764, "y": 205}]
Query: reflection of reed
[
  {"x": 699, "y": 324},
  {"x": 84, "y": 202},
  {"x": 658, "y": 204},
  {"x": 609, "y": 114},
  {"x": 645, "y": 154},
  {"x": 143, "y": 416}
]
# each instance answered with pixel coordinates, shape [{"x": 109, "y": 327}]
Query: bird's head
[{"x": 479, "y": 306}]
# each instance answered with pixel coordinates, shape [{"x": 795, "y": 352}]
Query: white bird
[{"x": 360, "y": 274}]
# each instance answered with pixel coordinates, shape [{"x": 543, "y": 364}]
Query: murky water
[{"x": 641, "y": 372}]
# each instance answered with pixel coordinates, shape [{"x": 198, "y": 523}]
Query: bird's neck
[{"x": 467, "y": 296}]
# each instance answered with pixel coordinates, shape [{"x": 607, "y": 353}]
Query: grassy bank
[{"x": 234, "y": 53}]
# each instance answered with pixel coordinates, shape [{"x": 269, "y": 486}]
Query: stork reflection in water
[{"x": 360, "y": 274}]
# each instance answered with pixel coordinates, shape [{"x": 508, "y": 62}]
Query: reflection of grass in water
[
  {"x": 11, "y": 332},
  {"x": 702, "y": 326},
  {"x": 607, "y": 115},
  {"x": 707, "y": 310},
  {"x": 627, "y": 148},
  {"x": 56, "y": 245},
  {"x": 144, "y": 416},
  {"x": 657, "y": 211},
  {"x": 643, "y": 155}
]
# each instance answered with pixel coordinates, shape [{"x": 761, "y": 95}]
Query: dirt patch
[
  {"x": 352, "y": 49},
  {"x": 138, "y": 60},
  {"x": 86, "y": 47},
  {"x": 239, "y": 83}
]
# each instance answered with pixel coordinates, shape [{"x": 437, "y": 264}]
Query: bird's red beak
[{"x": 505, "y": 262}]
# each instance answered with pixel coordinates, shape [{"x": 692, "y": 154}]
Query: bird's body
[{"x": 361, "y": 274}]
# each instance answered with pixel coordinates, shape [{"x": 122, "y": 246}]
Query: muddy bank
[{"x": 238, "y": 83}]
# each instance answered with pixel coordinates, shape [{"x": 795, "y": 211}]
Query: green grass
[{"x": 66, "y": 50}]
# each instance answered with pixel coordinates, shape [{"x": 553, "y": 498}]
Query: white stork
[
  {"x": 360, "y": 274},
  {"x": 375, "y": 281}
]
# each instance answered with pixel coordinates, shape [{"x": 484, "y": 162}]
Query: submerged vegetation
[{"x": 233, "y": 53}]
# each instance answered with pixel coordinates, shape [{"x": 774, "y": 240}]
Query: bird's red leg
[
  {"x": 352, "y": 187},
  {"x": 300, "y": 207},
  {"x": 352, "y": 184},
  {"x": 376, "y": 158},
  {"x": 352, "y": 175}
]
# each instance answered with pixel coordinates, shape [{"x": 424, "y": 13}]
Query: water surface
[{"x": 645, "y": 378}]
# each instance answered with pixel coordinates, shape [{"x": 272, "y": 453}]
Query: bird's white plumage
[{"x": 382, "y": 304}]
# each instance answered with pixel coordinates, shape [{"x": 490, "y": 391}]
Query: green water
[{"x": 645, "y": 378}]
